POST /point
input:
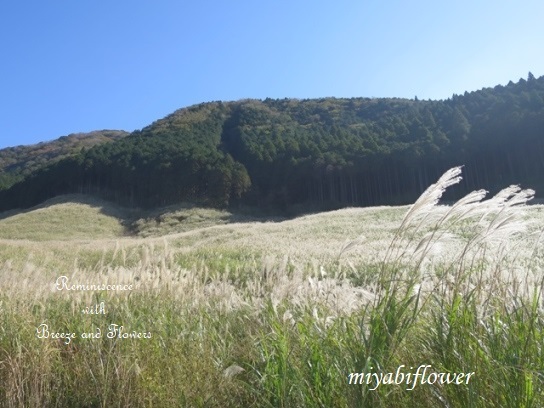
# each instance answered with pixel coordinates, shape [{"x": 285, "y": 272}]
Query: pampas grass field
[{"x": 275, "y": 313}]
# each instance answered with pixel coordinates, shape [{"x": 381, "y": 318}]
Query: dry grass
[
  {"x": 288, "y": 307},
  {"x": 65, "y": 218}
]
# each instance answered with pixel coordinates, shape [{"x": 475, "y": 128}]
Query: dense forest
[
  {"x": 315, "y": 153},
  {"x": 20, "y": 161}
]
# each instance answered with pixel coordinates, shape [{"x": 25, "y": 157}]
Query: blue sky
[{"x": 77, "y": 66}]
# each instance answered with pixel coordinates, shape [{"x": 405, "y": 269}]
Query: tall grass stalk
[{"x": 236, "y": 324}]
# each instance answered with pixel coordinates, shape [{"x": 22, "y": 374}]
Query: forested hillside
[
  {"x": 318, "y": 153},
  {"x": 20, "y": 161}
]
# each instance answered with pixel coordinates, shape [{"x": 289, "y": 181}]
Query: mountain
[
  {"x": 18, "y": 162},
  {"x": 291, "y": 154}
]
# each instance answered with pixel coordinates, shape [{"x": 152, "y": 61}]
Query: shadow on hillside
[
  {"x": 179, "y": 217},
  {"x": 184, "y": 217},
  {"x": 124, "y": 215}
]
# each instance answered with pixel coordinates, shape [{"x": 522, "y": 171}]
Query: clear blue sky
[{"x": 77, "y": 66}]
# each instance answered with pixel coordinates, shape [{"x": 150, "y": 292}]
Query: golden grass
[
  {"x": 329, "y": 291},
  {"x": 64, "y": 218},
  {"x": 96, "y": 235}
]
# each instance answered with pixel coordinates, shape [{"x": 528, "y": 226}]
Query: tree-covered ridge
[
  {"x": 20, "y": 161},
  {"x": 327, "y": 152}
]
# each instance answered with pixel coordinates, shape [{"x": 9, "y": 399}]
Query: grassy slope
[
  {"x": 209, "y": 294},
  {"x": 63, "y": 218},
  {"x": 95, "y": 228}
]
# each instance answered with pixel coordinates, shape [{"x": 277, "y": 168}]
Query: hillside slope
[
  {"x": 20, "y": 161},
  {"x": 288, "y": 155},
  {"x": 65, "y": 218}
]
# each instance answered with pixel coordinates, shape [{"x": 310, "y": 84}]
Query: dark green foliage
[
  {"x": 322, "y": 153},
  {"x": 18, "y": 162}
]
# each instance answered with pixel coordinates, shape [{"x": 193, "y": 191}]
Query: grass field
[{"x": 244, "y": 311}]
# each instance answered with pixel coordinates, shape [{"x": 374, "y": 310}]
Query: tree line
[{"x": 321, "y": 153}]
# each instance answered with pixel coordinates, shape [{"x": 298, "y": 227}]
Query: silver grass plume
[
  {"x": 505, "y": 222},
  {"x": 494, "y": 219},
  {"x": 423, "y": 207},
  {"x": 432, "y": 195}
]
